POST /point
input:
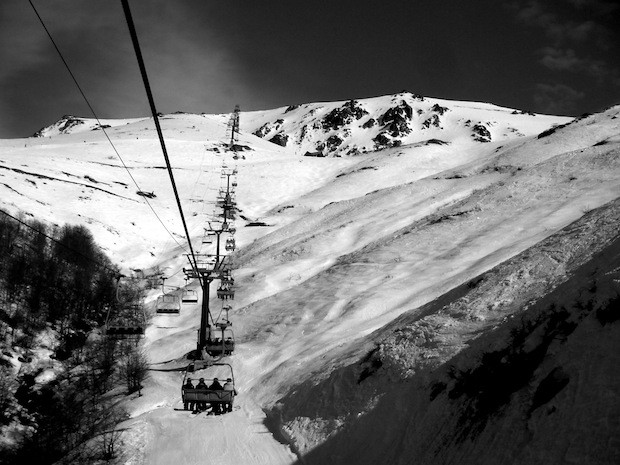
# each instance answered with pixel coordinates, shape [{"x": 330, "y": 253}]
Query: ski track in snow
[{"x": 187, "y": 438}]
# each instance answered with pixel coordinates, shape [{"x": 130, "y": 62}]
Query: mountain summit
[{"x": 361, "y": 126}]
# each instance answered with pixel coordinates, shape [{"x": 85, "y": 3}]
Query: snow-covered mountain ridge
[
  {"x": 372, "y": 274},
  {"x": 365, "y": 125},
  {"x": 69, "y": 124}
]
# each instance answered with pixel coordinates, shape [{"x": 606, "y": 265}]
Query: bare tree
[
  {"x": 108, "y": 444},
  {"x": 8, "y": 385},
  {"x": 134, "y": 369}
]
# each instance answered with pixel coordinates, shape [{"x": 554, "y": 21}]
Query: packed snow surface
[{"x": 329, "y": 249}]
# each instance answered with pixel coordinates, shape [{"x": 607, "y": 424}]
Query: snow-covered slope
[
  {"x": 351, "y": 249},
  {"x": 515, "y": 366}
]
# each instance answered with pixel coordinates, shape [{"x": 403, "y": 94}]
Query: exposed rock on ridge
[{"x": 373, "y": 124}]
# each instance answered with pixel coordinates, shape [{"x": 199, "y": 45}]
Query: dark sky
[{"x": 558, "y": 57}]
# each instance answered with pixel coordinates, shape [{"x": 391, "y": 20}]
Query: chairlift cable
[
  {"x": 147, "y": 87},
  {"x": 101, "y": 126}
]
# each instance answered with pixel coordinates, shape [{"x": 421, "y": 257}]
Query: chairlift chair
[
  {"x": 168, "y": 304},
  {"x": 218, "y": 399},
  {"x": 227, "y": 278},
  {"x": 190, "y": 296},
  {"x": 118, "y": 330},
  {"x": 230, "y": 244},
  {"x": 227, "y": 309},
  {"x": 205, "y": 263},
  {"x": 229, "y": 215},
  {"x": 129, "y": 322},
  {"x": 225, "y": 291},
  {"x": 229, "y": 204},
  {"x": 227, "y": 265},
  {"x": 221, "y": 343}
]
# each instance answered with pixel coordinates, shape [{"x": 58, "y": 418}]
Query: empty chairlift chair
[
  {"x": 168, "y": 304},
  {"x": 189, "y": 296},
  {"x": 126, "y": 323},
  {"x": 208, "y": 237},
  {"x": 230, "y": 228},
  {"x": 205, "y": 262}
]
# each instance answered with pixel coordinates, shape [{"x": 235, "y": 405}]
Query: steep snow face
[
  {"x": 358, "y": 390},
  {"x": 360, "y": 126},
  {"x": 517, "y": 366},
  {"x": 390, "y": 250},
  {"x": 345, "y": 245}
]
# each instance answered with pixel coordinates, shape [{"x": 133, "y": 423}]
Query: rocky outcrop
[
  {"x": 346, "y": 114},
  {"x": 436, "y": 142},
  {"x": 552, "y": 129},
  {"x": 62, "y": 126},
  {"x": 439, "y": 109},
  {"x": 291, "y": 108},
  {"x": 314, "y": 154},
  {"x": 396, "y": 119},
  {"x": 410, "y": 95},
  {"x": 432, "y": 121},
  {"x": 333, "y": 142},
  {"x": 384, "y": 140},
  {"x": 280, "y": 139},
  {"x": 370, "y": 123},
  {"x": 269, "y": 127},
  {"x": 480, "y": 133}
]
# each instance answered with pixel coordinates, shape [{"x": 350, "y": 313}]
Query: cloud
[
  {"x": 29, "y": 50},
  {"x": 597, "y": 8},
  {"x": 559, "y": 59},
  {"x": 557, "y": 98},
  {"x": 571, "y": 21},
  {"x": 190, "y": 67},
  {"x": 533, "y": 13},
  {"x": 557, "y": 28},
  {"x": 573, "y": 43}
]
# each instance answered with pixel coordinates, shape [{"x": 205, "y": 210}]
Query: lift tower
[
  {"x": 233, "y": 129},
  {"x": 209, "y": 267}
]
